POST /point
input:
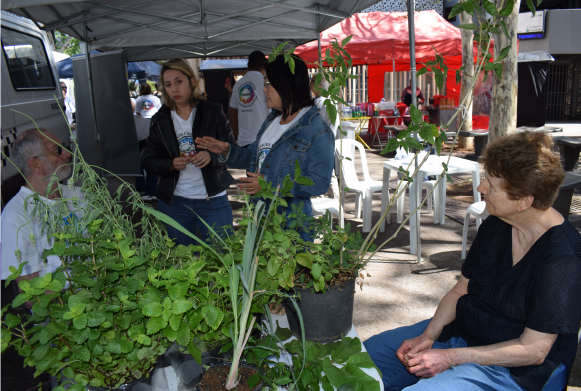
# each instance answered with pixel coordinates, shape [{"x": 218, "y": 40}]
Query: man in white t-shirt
[
  {"x": 248, "y": 104},
  {"x": 37, "y": 157},
  {"x": 147, "y": 104}
]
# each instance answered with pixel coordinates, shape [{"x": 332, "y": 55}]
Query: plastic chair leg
[
  {"x": 400, "y": 206},
  {"x": 367, "y": 197},
  {"x": 358, "y": 205}
]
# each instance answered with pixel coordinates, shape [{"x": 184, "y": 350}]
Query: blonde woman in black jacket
[{"x": 192, "y": 181}]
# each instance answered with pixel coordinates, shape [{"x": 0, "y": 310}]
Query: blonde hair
[{"x": 179, "y": 64}]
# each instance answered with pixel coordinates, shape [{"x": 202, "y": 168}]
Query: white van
[{"x": 30, "y": 85}]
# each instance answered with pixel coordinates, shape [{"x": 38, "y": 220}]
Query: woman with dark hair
[
  {"x": 512, "y": 320},
  {"x": 293, "y": 131},
  {"x": 193, "y": 182}
]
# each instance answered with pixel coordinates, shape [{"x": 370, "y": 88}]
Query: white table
[
  {"x": 433, "y": 166},
  {"x": 282, "y": 321}
]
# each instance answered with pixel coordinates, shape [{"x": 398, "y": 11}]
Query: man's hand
[
  {"x": 428, "y": 363},
  {"x": 413, "y": 346},
  {"x": 250, "y": 185}
]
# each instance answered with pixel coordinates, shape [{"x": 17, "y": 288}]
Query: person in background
[
  {"x": 511, "y": 322},
  {"x": 38, "y": 156},
  {"x": 248, "y": 108},
  {"x": 320, "y": 103},
  {"x": 70, "y": 109},
  {"x": 192, "y": 181},
  {"x": 293, "y": 131},
  {"x": 133, "y": 106},
  {"x": 406, "y": 95},
  {"x": 146, "y": 105}
]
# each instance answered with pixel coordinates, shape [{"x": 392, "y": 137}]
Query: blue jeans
[
  {"x": 216, "y": 212},
  {"x": 465, "y": 377}
]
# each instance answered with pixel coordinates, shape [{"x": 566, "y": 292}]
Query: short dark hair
[
  {"x": 145, "y": 89},
  {"x": 256, "y": 60},
  {"x": 529, "y": 166},
  {"x": 294, "y": 89}
]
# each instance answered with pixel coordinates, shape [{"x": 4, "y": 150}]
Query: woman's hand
[
  {"x": 413, "y": 346},
  {"x": 213, "y": 145},
  {"x": 428, "y": 363},
  {"x": 202, "y": 159},
  {"x": 180, "y": 163},
  {"x": 250, "y": 185}
]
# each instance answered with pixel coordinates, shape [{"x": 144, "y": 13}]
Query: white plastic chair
[
  {"x": 365, "y": 188},
  {"x": 429, "y": 186},
  {"x": 321, "y": 205},
  {"x": 478, "y": 210}
]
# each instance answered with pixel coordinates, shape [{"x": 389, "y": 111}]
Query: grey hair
[
  {"x": 29, "y": 144},
  {"x": 324, "y": 83}
]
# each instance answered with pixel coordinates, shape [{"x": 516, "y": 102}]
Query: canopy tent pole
[
  {"x": 92, "y": 98},
  {"x": 416, "y": 187},
  {"x": 393, "y": 93}
]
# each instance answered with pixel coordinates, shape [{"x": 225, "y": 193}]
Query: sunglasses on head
[{"x": 58, "y": 151}]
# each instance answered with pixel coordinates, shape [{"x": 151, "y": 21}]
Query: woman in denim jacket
[{"x": 293, "y": 131}]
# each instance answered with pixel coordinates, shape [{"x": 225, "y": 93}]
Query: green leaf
[
  {"x": 155, "y": 324},
  {"x": 40, "y": 352},
  {"x": 316, "y": 271},
  {"x": 272, "y": 266},
  {"x": 468, "y": 26},
  {"x": 391, "y": 146},
  {"x": 421, "y": 71},
  {"x": 297, "y": 169},
  {"x": 114, "y": 347},
  {"x": 361, "y": 360},
  {"x": 336, "y": 376},
  {"x": 503, "y": 53},
  {"x": 82, "y": 353},
  {"x": 532, "y": 7},
  {"x": 291, "y": 63},
  {"x": 415, "y": 114},
  {"x": 305, "y": 259},
  {"x": 508, "y": 8},
  {"x": 59, "y": 248},
  {"x": 126, "y": 345},
  {"x": 504, "y": 29},
  {"x": 213, "y": 316},
  {"x": 96, "y": 318},
  {"x": 304, "y": 181},
  {"x": 489, "y": 7},
  {"x": 80, "y": 321},
  {"x": 346, "y": 348},
  {"x": 152, "y": 309},
  {"x": 456, "y": 10},
  {"x": 282, "y": 333},
  {"x": 11, "y": 320},
  {"x": 183, "y": 335},
  {"x": 20, "y": 299},
  {"x": 180, "y": 306},
  {"x": 468, "y": 6},
  {"x": 346, "y": 40},
  {"x": 195, "y": 352}
]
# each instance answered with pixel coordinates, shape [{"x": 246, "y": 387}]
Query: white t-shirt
[
  {"x": 14, "y": 225},
  {"x": 249, "y": 99},
  {"x": 191, "y": 182},
  {"x": 147, "y": 105},
  {"x": 320, "y": 102},
  {"x": 271, "y": 135},
  {"x": 69, "y": 109}
]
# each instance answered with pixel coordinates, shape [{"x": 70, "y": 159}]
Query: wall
[{"x": 562, "y": 32}]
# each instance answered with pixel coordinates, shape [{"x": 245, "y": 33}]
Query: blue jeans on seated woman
[
  {"x": 215, "y": 211},
  {"x": 465, "y": 377}
]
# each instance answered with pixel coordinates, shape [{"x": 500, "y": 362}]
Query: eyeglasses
[
  {"x": 266, "y": 84},
  {"x": 58, "y": 151},
  {"x": 63, "y": 88}
]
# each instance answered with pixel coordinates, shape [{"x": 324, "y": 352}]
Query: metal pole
[
  {"x": 319, "y": 36},
  {"x": 418, "y": 182},
  {"x": 92, "y": 97}
]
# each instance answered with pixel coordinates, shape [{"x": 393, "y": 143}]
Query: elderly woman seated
[{"x": 512, "y": 320}]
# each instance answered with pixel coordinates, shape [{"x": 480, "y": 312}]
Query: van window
[{"x": 27, "y": 61}]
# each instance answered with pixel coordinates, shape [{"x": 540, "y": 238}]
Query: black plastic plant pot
[
  {"x": 227, "y": 370},
  {"x": 326, "y": 316}
]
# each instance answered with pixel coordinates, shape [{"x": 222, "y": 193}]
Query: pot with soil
[
  {"x": 326, "y": 316},
  {"x": 216, "y": 377}
]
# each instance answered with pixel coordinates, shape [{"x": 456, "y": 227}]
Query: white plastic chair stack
[
  {"x": 322, "y": 205},
  {"x": 478, "y": 210},
  {"x": 365, "y": 188}
]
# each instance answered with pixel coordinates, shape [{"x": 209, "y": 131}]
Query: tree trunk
[
  {"x": 504, "y": 91},
  {"x": 467, "y": 79}
]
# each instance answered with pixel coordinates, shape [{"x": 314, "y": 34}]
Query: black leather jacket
[{"x": 162, "y": 147}]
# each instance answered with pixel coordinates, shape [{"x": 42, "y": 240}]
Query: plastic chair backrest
[{"x": 348, "y": 166}]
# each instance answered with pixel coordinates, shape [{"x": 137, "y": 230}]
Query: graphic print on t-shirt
[
  {"x": 247, "y": 94},
  {"x": 187, "y": 148},
  {"x": 147, "y": 105},
  {"x": 264, "y": 150}
]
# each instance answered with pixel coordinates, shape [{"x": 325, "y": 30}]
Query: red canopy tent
[{"x": 381, "y": 38}]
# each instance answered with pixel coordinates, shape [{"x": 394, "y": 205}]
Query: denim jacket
[{"x": 310, "y": 141}]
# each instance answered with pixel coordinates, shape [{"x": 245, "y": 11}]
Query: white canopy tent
[{"x": 161, "y": 29}]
